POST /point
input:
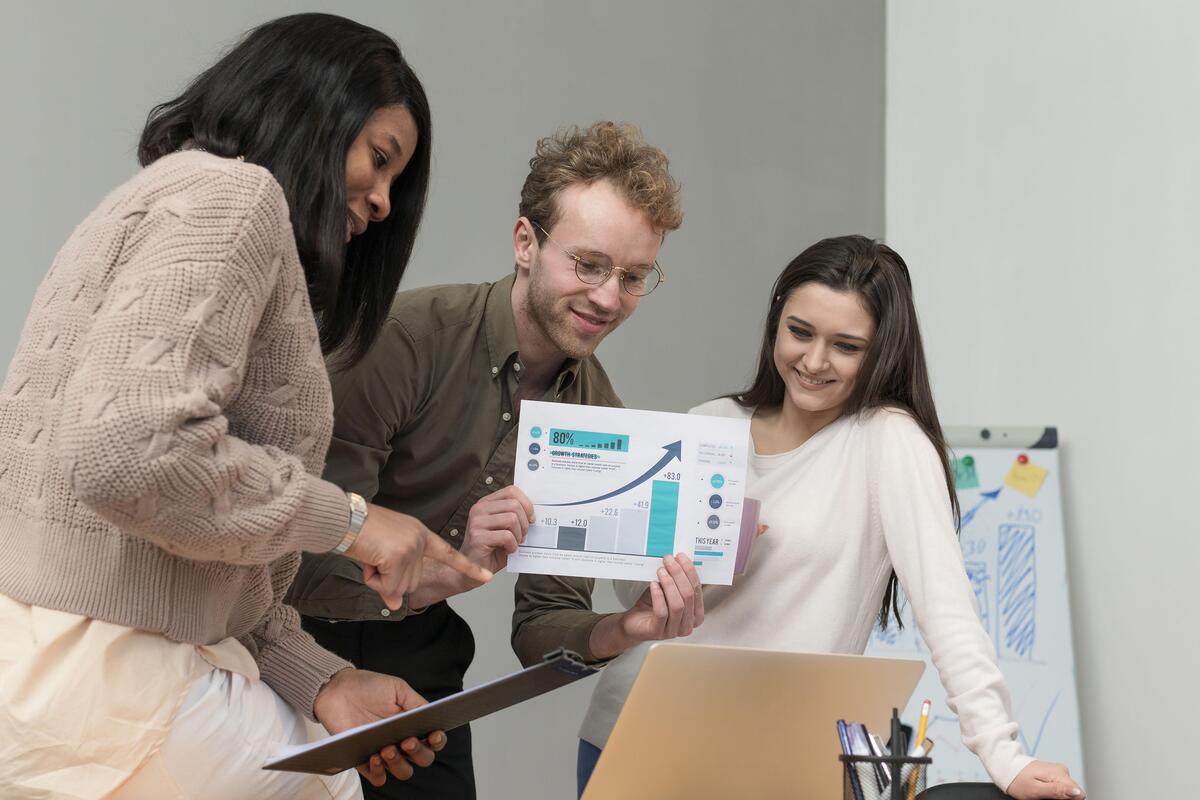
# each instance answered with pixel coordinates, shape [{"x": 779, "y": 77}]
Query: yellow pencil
[
  {"x": 921, "y": 751},
  {"x": 918, "y": 748},
  {"x": 919, "y": 739}
]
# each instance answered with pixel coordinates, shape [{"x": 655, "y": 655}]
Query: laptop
[{"x": 732, "y": 722}]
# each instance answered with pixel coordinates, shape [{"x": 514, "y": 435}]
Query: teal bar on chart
[{"x": 664, "y": 509}]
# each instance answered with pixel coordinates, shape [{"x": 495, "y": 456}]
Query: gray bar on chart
[
  {"x": 571, "y": 538},
  {"x": 631, "y": 535},
  {"x": 602, "y": 534},
  {"x": 542, "y": 536}
]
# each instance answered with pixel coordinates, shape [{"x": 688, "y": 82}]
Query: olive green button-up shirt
[{"x": 426, "y": 425}]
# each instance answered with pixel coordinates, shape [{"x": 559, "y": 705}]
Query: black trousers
[{"x": 431, "y": 651}]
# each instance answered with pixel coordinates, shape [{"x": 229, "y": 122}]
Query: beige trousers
[{"x": 91, "y": 709}]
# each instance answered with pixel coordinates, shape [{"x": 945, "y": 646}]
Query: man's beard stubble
[
  {"x": 554, "y": 321},
  {"x": 556, "y": 329}
]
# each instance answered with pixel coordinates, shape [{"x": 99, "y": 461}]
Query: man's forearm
[
  {"x": 553, "y": 611},
  {"x": 608, "y": 639}
]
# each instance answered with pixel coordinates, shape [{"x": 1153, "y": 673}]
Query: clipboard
[{"x": 354, "y": 746}]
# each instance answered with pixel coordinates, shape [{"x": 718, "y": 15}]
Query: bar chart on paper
[
  {"x": 615, "y": 490},
  {"x": 644, "y": 527}
]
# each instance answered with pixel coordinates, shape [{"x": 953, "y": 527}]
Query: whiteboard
[{"x": 1013, "y": 551}]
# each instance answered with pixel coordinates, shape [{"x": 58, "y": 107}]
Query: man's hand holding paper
[
  {"x": 670, "y": 607},
  {"x": 496, "y": 527}
]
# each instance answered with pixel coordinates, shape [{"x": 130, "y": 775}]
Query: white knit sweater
[{"x": 864, "y": 495}]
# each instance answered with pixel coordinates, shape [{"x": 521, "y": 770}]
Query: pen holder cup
[{"x": 871, "y": 777}]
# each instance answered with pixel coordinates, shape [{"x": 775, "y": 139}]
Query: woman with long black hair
[
  {"x": 164, "y": 423},
  {"x": 849, "y": 463}
]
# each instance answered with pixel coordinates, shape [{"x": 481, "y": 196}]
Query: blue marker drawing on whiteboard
[
  {"x": 984, "y": 497},
  {"x": 1037, "y": 740},
  {"x": 950, "y": 736},
  {"x": 1017, "y": 590},
  {"x": 977, "y": 573},
  {"x": 900, "y": 640}
]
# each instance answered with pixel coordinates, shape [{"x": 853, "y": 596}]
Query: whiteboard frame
[{"x": 1029, "y": 438}]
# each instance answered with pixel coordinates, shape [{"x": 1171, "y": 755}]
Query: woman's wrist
[
  {"x": 358, "y": 518},
  {"x": 333, "y": 679}
]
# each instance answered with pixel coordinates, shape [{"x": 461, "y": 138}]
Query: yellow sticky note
[{"x": 1026, "y": 477}]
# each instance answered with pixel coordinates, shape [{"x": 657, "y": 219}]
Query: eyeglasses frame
[{"x": 578, "y": 259}]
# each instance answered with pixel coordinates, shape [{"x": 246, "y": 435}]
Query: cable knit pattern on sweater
[{"x": 165, "y": 420}]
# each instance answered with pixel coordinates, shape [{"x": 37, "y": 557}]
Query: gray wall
[
  {"x": 1042, "y": 181},
  {"x": 772, "y": 113}
]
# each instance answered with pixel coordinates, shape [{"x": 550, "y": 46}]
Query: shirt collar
[{"x": 500, "y": 330}]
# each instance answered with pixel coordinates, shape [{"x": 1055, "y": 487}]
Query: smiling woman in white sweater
[{"x": 849, "y": 463}]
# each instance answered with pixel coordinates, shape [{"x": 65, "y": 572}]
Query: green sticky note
[{"x": 964, "y": 473}]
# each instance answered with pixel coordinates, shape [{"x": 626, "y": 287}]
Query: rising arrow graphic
[
  {"x": 983, "y": 498},
  {"x": 673, "y": 454}
]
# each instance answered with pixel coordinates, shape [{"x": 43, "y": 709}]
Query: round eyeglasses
[{"x": 595, "y": 268}]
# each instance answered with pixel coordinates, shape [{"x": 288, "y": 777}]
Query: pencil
[
  {"x": 919, "y": 739},
  {"x": 922, "y": 750}
]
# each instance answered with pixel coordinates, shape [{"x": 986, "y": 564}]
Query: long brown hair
[{"x": 893, "y": 371}]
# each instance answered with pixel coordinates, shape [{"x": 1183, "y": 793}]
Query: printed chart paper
[{"x": 615, "y": 490}]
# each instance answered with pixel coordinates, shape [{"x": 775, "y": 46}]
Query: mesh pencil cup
[{"x": 873, "y": 777}]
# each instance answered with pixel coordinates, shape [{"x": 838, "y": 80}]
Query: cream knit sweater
[
  {"x": 864, "y": 495},
  {"x": 165, "y": 419}
]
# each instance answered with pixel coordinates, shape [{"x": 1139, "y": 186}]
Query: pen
[
  {"x": 878, "y": 749},
  {"x": 897, "y": 735}
]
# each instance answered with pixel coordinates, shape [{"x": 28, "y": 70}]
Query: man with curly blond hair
[{"x": 426, "y": 424}]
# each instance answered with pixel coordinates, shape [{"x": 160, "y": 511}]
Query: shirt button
[
  {"x": 489, "y": 480},
  {"x": 506, "y": 416},
  {"x": 495, "y": 370},
  {"x": 517, "y": 366},
  {"x": 385, "y": 612},
  {"x": 454, "y": 531}
]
